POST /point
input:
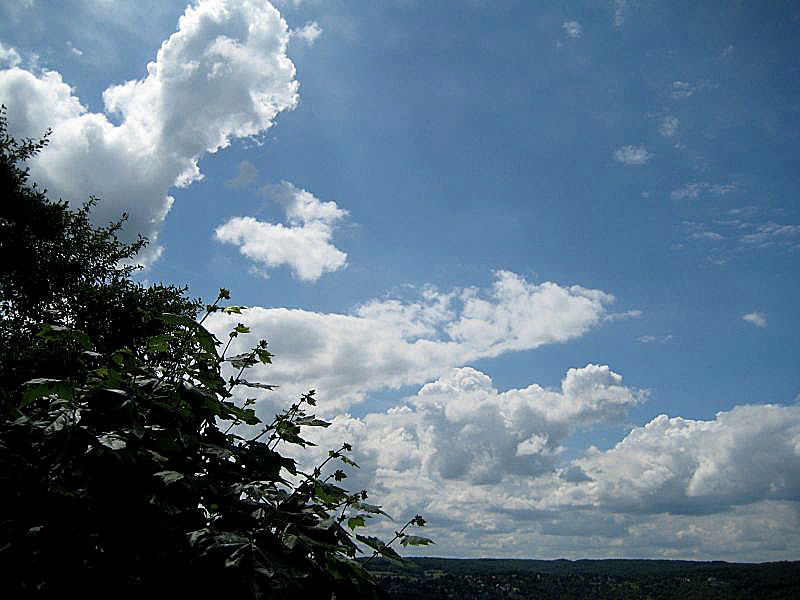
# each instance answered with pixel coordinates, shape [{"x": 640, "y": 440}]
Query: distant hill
[{"x": 467, "y": 579}]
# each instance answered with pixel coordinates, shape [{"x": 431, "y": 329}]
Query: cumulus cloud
[
  {"x": 683, "y": 466},
  {"x": 669, "y": 126},
  {"x": 393, "y": 343},
  {"x": 573, "y": 29},
  {"x": 308, "y": 33},
  {"x": 489, "y": 471},
  {"x": 224, "y": 74},
  {"x": 757, "y": 319},
  {"x": 459, "y": 433},
  {"x": 304, "y": 245},
  {"x": 632, "y": 155}
]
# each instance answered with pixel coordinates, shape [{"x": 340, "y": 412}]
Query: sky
[{"x": 538, "y": 260}]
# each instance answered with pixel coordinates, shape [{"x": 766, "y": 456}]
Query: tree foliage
[
  {"x": 58, "y": 268},
  {"x": 124, "y": 469}
]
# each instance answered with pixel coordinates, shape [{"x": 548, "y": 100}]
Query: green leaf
[
  {"x": 242, "y": 361},
  {"x": 370, "y": 508},
  {"x": 415, "y": 540},
  {"x": 40, "y": 387},
  {"x": 251, "y": 384},
  {"x": 386, "y": 551},
  {"x": 112, "y": 441},
  {"x": 169, "y": 476},
  {"x": 310, "y": 421},
  {"x": 357, "y": 521},
  {"x": 59, "y": 333}
]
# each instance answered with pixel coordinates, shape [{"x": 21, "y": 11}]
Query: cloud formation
[
  {"x": 756, "y": 318},
  {"x": 695, "y": 190},
  {"x": 224, "y": 74},
  {"x": 632, "y": 155},
  {"x": 573, "y": 29},
  {"x": 684, "y": 466},
  {"x": 392, "y": 343},
  {"x": 304, "y": 246},
  {"x": 669, "y": 126},
  {"x": 9, "y": 56},
  {"x": 308, "y": 33},
  {"x": 490, "y": 472}
]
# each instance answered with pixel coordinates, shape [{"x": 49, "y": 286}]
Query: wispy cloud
[
  {"x": 308, "y": 33},
  {"x": 681, "y": 90},
  {"x": 650, "y": 339},
  {"x": 246, "y": 174},
  {"x": 725, "y": 238},
  {"x": 573, "y": 29},
  {"x": 669, "y": 126},
  {"x": 695, "y": 190},
  {"x": 632, "y": 155},
  {"x": 767, "y": 234},
  {"x": 9, "y": 56},
  {"x": 756, "y": 318},
  {"x": 620, "y": 10},
  {"x": 74, "y": 50}
]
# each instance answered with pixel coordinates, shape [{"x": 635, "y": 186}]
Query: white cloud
[
  {"x": 649, "y": 339},
  {"x": 74, "y": 50},
  {"x": 693, "y": 191},
  {"x": 308, "y": 33},
  {"x": 770, "y": 233},
  {"x": 305, "y": 245},
  {"x": 620, "y": 8},
  {"x": 573, "y": 29},
  {"x": 683, "y": 466},
  {"x": 757, "y": 319},
  {"x": 669, "y": 126},
  {"x": 389, "y": 343},
  {"x": 489, "y": 471},
  {"x": 706, "y": 235},
  {"x": 224, "y": 74},
  {"x": 632, "y": 155},
  {"x": 727, "y": 51},
  {"x": 681, "y": 90},
  {"x": 9, "y": 56}
]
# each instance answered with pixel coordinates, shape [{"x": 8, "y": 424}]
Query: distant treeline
[{"x": 467, "y": 579}]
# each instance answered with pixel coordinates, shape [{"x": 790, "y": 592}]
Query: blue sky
[{"x": 541, "y": 259}]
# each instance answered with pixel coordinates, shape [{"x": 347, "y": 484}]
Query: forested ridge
[{"x": 485, "y": 579}]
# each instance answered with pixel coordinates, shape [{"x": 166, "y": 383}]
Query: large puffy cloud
[
  {"x": 389, "y": 344},
  {"x": 223, "y": 74},
  {"x": 488, "y": 470},
  {"x": 683, "y": 466},
  {"x": 305, "y": 245}
]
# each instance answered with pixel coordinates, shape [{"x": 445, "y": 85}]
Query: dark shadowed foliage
[{"x": 125, "y": 469}]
